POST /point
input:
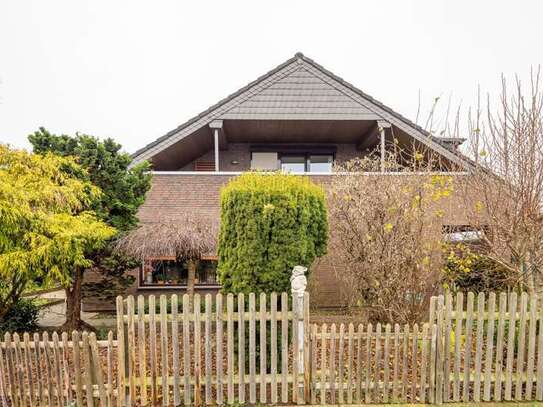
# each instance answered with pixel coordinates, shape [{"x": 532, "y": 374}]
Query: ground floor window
[{"x": 159, "y": 272}]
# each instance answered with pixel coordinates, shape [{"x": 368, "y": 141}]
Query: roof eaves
[
  {"x": 215, "y": 106},
  {"x": 397, "y": 115}
]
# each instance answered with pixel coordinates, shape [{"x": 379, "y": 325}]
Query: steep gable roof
[{"x": 299, "y": 89}]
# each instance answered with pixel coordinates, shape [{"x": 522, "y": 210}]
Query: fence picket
[
  {"x": 152, "y": 349},
  {"x": 332, "y": 364},
  {"x": 263, "y": 350},
  {"x": 414, "y": 351},
  {"x": 367, "y": 394},
  {"x": 457, "y": 341},
  {"x": 141, "y": 350},
  {"x": 499, "y": 348},
  {"x": 3, "y": 377},
  {"x": 252, "y": 349},
  {"x": 313, "y": 344},
  {"x": 404, "y": 362},
  {"x": 197, "y": 352},
  {"x": 219, "y": 347},
  {"x": 131, "y": 333},
  {"x": 208, "y": 342},
  {"x": 109, "y": 368},
  {"x": 423, "y": 363},
  {"x": 241, "y": 348},
  {"x": 10, "y": 366},
  {"x": 295, "y": 353},
  {"x": 511, "y": 329},
  {"x": 539, "y": 376},
  {"x": 489, "y": 345},
  {"x": 273, "y": 345},
  {"x": 386, "y": 361},
  {"x": 377, "y": 370},
  {"x": 164, "y": 350},
  {"x": 350, "y": 364},
  {"x": 359, "y": 334},
  {"x": 187, "y": 390},
  {"x": 97, "y": 369},
  {"x": 48, "y": 368},
  {"x": 20, "y": 370},
  {"x": 284, "y": 348},
  {"x": 324, "y": 332},
  {"x": 85, "y": 350},
  {"x": 521, "y": 346},
  {"x": 175, "y": 349},
  {"x": 467, "y": 347},
  {"x": 531, "y": 347},
  {"x": 58, "y": 370},
  {"x": 438, "y": 395},
  {"x": 478, "y": 348},
  {"x": 229, "y": 347},
  {"x": 447, "y": 348},
  {"x": 433, "y": 354},
  {"x": 121, "y": 376},
  {"x": 77, "y": 369},
  {"x": 341, "y": 363},
  {"x": 65, "y": 367},
  {"x": 395, "y": 370}
]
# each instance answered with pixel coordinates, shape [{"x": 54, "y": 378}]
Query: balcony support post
[
  {"x": 382, "y": 125},
  {"x": 216, "y": 125}
]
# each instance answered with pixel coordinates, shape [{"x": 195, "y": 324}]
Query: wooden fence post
[{"x": 298, "y": 283}]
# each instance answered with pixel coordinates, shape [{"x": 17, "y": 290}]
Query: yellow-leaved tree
[{"x": 45, "y": 227}]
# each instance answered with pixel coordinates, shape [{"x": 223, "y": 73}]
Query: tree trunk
[
  {"x": 191, "y": 280},
  {"x": 73, "y": 304}
]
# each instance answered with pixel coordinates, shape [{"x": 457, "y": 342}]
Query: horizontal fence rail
[{"x": 235, "y": 349}]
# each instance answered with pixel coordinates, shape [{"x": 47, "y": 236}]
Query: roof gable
[
  {"x": 298, "y": 89},
  {"x": 300, "y": 95}
]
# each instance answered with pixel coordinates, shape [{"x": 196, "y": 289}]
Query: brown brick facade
[{"x": 172, "y": 195}]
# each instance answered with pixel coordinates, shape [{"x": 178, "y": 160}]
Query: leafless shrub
[
  {"x": 387, "y": 233},
  {"x": 505, "y": 193}
]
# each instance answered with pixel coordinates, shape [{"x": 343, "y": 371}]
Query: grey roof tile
[{"x": 302, "y": 92}]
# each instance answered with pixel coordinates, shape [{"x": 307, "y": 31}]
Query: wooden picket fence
[
  {"x": 370, "y": 364},
  {"x": 57, "y": 371},
  {"x": 486, "y": 348},
  {"x": 263, "y": 349},
  {"x": 161, "y": 349}
]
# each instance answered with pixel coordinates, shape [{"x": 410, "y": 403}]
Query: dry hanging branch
[{"x": 505, "y": 193}]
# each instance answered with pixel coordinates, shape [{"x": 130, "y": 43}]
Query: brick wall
[{"x": 173, "y": 195}]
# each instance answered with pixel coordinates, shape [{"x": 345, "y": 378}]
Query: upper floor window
[
  {"x": 292, "y": 162},
  {"x": 320, "y": 163}
]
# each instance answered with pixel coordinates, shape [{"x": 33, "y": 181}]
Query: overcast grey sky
[{"x": 133, "y": 70}]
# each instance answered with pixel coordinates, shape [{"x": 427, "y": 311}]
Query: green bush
[
  {"x": 269, "y": 224},
  {"x": 22, "y": 317}
]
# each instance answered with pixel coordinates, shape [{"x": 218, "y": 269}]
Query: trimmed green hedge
[{"x": 269, "y": 224}]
